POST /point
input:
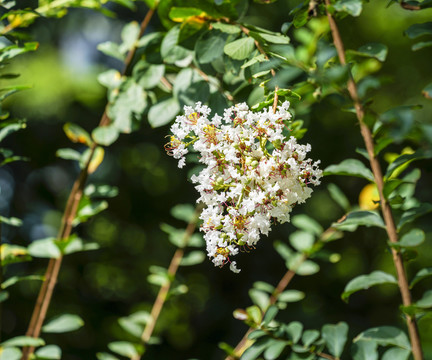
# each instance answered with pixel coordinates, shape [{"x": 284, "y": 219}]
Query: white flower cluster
[{"x": 253, "y": 174}]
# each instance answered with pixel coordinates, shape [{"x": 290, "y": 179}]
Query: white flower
[{"x": 254, "y": 173}]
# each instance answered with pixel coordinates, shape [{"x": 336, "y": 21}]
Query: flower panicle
[{"x": 254, "y": 174}]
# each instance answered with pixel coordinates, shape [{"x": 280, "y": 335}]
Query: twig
[
  {"x": 51, "y": 274},
  {"x": 172, "y": 270},
  {"x": 385, "y": 207},
  {"x": 207, "y": 79},
  {"x": 282, "y": 285}
]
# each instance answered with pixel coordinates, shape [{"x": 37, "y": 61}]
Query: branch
[
  {"x": 282, "y": 285},
  {"x": 172, "y": 270},
  {"x": 378, "y": 177},
  {"x": 51, "y": 274}
]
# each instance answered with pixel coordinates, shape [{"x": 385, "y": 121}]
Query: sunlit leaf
[
  {"x": 44, "y": 248},
  {"x": 193, "y": 258},
  {"x": 105, "y": 135},
  {"x": 14, "y": 279},
  {"x": 163, "y": 112},
  {"x": 21, "y": 341},
  {"x": 124, "y": 348},
  {"x": 240, "y": 49},
  {"x": 77, "y": 134},
  {"x": 351, "y": 7},
  {"x": 63, "y": 323},
  {"x": 49, "y": 352},
  {"x": 10, "y": 353},
  {"x": 364, "y": 350}
]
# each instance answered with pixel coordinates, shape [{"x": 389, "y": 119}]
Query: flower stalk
[{"x": 378, "y": 177}]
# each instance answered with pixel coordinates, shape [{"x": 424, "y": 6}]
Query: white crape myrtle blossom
[{"x": 253, "y": 174}]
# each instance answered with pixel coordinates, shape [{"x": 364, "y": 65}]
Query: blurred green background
[{"x": 103, "y": 285}]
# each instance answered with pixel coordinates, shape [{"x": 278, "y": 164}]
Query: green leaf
[
  {"x": 185, "y": 212},
  {"x": 255, "y": 350},
  {"x": 309, "y": 337},
  {"x": 294, "y": 331},
  {"x": 14, "y": 279},
  {"x": 111, "y": 49},
  {"x": 21, "y": 341},
  {"x": 163, "y": 112},
  {"x": 130, "y": 103},
  {"x": 270, "y": 314},
  {"x": 335, "y": 337},
  {"x": 283, "y": 250},
  {"x": 417, "y": 30},
  {"x": 192, "y": 258},
  {"x": 302, "y": 241},
  {"x": 180, "y": 14},
  {"x": 63, "y": 323},
  {"x": 170, "y": 51},
  {"x": 404, "y": 160},
  {"x": 413, "y": 213},
  {"x": 413, "y": 238},
  {"x": 396, "y": 354},
  {"x": 307, "y": 224},
  {"x": 49, "y": 352},
  {"x": 240, "y": 49},
  {"x": 10, "y": 353},
  {"x": 385, "y": 336},
  {"x": 421, "y": 274},
  {"x": 44, "y": 248},
  {"x": 12, "y": 221},
  {"x": 364, "y": 350},
  {"x": 306, "y": 268},
  {"x": 351, "y": 7},
  {"x": 105, "y": 135},
  {"x": 260, "y": 298},
  {"x": 111, "y": 79},
  {"x": 358, "y": 218},
  {"x": 123, "y": 348},
  {"x": 339, "y": 197},
  {"x": 274, "y": 349},
  {"x": 68, "y": 154},
  {"x": 106, "y": 356},
  {"x": 95, "y": 191},
  {"x": 129, "y": 36},
  {"x": 150, "y": 77},
  {"x": 364, "y": 282},
  {"x": 89, "y": 210},
  {"x": 209, "y": 47},
  {"x": 426, "y": 301},
  {"x": 226, "y": 28},
  {"x": 350, "y": 167},
  {"x": 291, "y": 296},
  {"x": 421, "y": 45},
  {"x": 11, "y": 128},
  {"x": 373, "y": 50}
]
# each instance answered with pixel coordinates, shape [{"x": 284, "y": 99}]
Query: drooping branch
[
  {"x": 51, "y": 274},
  {"x": 378, "y": 177}
]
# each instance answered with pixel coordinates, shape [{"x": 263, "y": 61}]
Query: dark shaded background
[{"x": 103, "y": 285}]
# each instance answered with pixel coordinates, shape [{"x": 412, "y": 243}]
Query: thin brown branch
[
  {"x": 172, "y": 270},
  {"x": 385, "y": 207},
  {"x": 207, "y": 79},
  {"x": 259, "y": 47},
  {"x": 282, "y": 285},
  {"x": 51, "y": 274}
]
